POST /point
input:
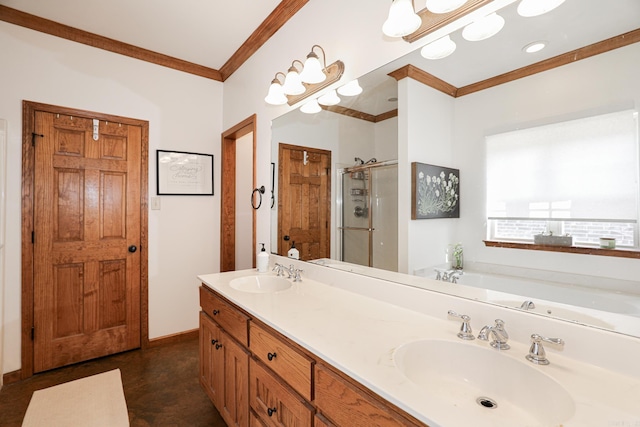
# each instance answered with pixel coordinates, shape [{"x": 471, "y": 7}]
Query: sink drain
[{"x": 487, "y": 402}]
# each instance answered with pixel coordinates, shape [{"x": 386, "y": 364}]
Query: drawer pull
[
  {"x": 218, "y": 346},
  {"x": 216, "y": 312},
  {"x": 213, "y": 342},
  {"x": 271, "y": 356},
  {"x": 271, "y": 411}
]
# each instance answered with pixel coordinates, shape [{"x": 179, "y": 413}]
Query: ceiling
[{"x": 210, "y": 32}]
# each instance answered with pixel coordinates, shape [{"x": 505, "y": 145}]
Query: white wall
[
  {"x": 184, "y": 234},
  {"x": 604, "y": 83}
]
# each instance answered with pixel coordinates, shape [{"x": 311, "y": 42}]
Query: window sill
[{"x": 620, "y": 253}]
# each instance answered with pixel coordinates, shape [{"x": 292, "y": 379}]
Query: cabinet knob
[
  {"x": 213, "y": 342},
  {"x": 271, "y": 356},
  {"x": 216, "y": 312},
  {"x": 271, "y": 411},
  {"x": 218, "y": 346}
]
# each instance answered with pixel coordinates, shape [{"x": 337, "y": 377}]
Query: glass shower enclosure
[{"x": 368, "y": 223}]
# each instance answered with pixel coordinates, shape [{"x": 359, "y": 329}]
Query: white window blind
[{"x": 581, "y": 169}]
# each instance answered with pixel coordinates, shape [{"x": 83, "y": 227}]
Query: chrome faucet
[
  {"x": 537, "y": 354},
  {"x": 498, "y": 333},
  {"x": 465, "y": 329},
  {"x": 292, "y": 272},
  {"x": 528, "y": 305},
  {"x": 279, "y": 269},
  {"x": 450, "y": 276}
]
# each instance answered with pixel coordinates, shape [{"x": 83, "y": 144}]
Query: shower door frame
[{"x": 367, "y": 169}]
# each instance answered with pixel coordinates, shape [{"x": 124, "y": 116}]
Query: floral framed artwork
[{"x": 435, "y": 191}]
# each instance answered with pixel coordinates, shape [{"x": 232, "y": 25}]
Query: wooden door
[
  {"x": 304, "y": 201},
  {"x": 86, "y": 239}
]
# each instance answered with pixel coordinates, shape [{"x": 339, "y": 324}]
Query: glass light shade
[
  {"x": 529, "y": 8},
  {"x": 444, "y": 6},
  {"x": 292, "y": 83},
  {"x": 402, "y": 19},
  {"x": 311, "y": 107},
  {"x": 350, "y": 89},
  {"x": 329, "y": 98},
  {"x": 276, "y": 95},
  {"x": 439, "y": 49},
  {"x": 483, "y": 28},
  {"x": 312, "y": 71}
]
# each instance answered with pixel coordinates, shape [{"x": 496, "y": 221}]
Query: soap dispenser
[
  {"x": 263, "y": 260},
  {"x": 293, "y": 252}
]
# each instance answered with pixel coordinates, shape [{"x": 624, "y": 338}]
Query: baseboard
[
  {"x": 12, "y": 377},
  {"x": 174, "y": 338}
]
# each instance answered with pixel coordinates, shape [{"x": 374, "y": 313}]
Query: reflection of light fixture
[
  {"x": 312, "y": 71},
  {"x": 292, "y": 82},
  {"x": 528, "y": 8},
  {"x": 444, "y": 6},
  {"x": 483, "y": 28},
  {"x": 350, "y": 89},
  {"x": 329, "y": 98},
  {"x": 276, "y": 94},
  {"x": 438, "y": 49},
  {"x": 311, "y": 107},
  {"x": 534, "y": 47},
  {"x": 304, "y": 80},
  {"x": 402, "y": 19}
]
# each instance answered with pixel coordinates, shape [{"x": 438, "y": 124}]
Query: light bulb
[
  {"x": 439, "y": 49},
  {"x": 483, "y": 28},
  {"x": 292, "y": 83},
  {"x": 350, "y": 89},
  {"x": 311, "y": 107},
  {"x": 329, "y": 98},
  {"x": 276, "y": 95},
  {"x": 312, "y": 71},
  {"x": 402, "y": 19}
]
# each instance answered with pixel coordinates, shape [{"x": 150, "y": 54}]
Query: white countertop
[{"x": 358, "y": 334}]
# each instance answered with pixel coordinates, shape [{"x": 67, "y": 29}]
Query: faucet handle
[
  {"x": 465, "y": 329},
  {"x": 537, "y": 354},
  {"x": 296, "y": 275},
  {"x": 279, "y": 269}
]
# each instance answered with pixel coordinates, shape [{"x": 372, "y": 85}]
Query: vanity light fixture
[
  {"x": 329, "y": 98},
  {"x": 402, "y": 19},
  {"x": 444, "y": 6},
  {"x": 313, "y": 70},
  {"x": 293, "y": 82},
  {"x": 350, "y": 89},
  {"x": 483, "y": 28},
  {"x": 529, "y": 8},
  {"x": 276, "y": 94},
  {"x": 439, "y": 49},
  {"x": 298, "y": 85},
  {"x": 534, "y": 47},
  {"x": 311, "y": 107}
]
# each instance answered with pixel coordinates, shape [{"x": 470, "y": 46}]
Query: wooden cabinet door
[
  {"x": 86, "y": 239},
  {"x": 210, "y": 365},
  {"x": 276, "y": 404},
  {"x": 234, "y": 400}
]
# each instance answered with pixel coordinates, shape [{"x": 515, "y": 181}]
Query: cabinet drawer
[
  {"x": 293, "y": 366},
  {"x": 274, "y": 403},
  {"x": 347, "y": 405},
  {"x": 224, "y": 314}
]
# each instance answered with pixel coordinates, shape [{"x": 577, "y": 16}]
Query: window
[{"x": 577, "y": 177}]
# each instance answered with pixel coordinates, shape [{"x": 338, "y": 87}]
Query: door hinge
[
  {"x": 33, "y": 333},
  {"x": 33, "y": 138}
]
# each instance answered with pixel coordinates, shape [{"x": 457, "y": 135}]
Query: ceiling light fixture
[
  {"x": 444, "y": 6},
  {"x": 298, "y": 85},
  {"x": 534, "y": 47},
  {"x": 311, "y": 107},
  {"x": 276, "y": 94},
  {"x": 439, "y": 49},
  {"x": 483, "y": 28},
  {"x": 350, "y": 89},
  {"x": 529, "y": 8},
  {"x": 402, "y": 19},
  {"x": 329, "y": 98}
]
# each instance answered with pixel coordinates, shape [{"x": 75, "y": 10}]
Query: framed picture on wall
[
  {"x": 180, "y": 173},
  {"x": 435, "y": 191}
]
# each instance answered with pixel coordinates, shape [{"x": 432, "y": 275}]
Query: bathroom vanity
[{"x": 341, "y": 349}]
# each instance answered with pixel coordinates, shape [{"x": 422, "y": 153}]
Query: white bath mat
[{"x": 95, "y": 401}]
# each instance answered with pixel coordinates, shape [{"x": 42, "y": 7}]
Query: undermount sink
[
  {"x": 488, "y": 387},
  {"x": 260, "y": 284}
]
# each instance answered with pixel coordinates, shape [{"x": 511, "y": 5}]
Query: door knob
[
  {"x": 286, "y": 238},
  {"x": 133, "y": 248}
]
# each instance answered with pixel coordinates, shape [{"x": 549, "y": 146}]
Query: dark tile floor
[{"x": 160, "y": 385}]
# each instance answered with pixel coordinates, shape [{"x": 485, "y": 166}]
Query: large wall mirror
[{"x": 441, "y": 114}]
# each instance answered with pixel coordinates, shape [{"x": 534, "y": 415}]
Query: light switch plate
[{"x": 155, "y": 203}]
